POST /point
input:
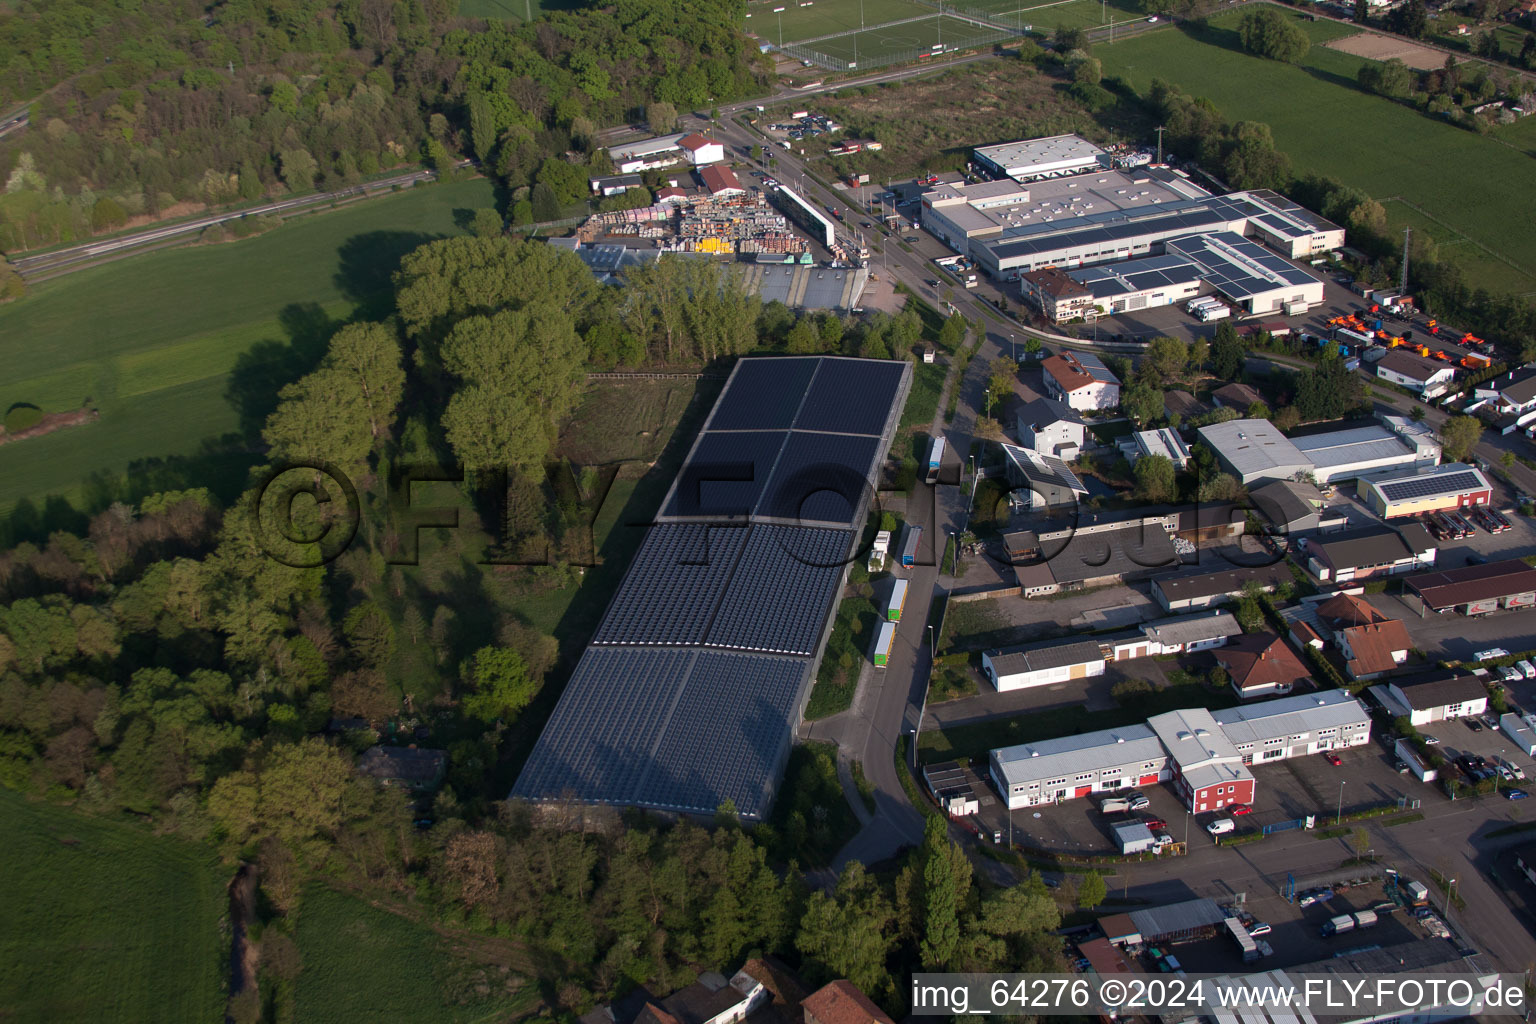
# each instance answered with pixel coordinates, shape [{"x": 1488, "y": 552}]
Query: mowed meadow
[
  {"x": 182, "y": 351},
  {"x": 103, "y": 921},
  {"x": 1470, "y": 192}
]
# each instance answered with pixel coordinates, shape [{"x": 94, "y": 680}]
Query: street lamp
[
  {"x": 933, "y": 650},
  {"x": 1014, "y": 348},
  {"x": 1340, "y": 816},
  {"x": 1445, "y": 911},
  {"x": 779, "y": 11}
]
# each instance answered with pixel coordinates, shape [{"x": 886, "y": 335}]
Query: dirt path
[{"x": 50, "y": 422}]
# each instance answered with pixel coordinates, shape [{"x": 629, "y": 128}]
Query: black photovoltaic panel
[
  {"x": 820, "y": 478},
  {"x": 1401, "y": 490},
  {"x": 673, "y": 586},
  {"x": 726, "y": 473},
  {"x": 600, "y": 739},
  {"x": 781, "y": 590},
  {"x": 728, "y": 735},
  {"x": 763, "y": 395},
  {"x": 851, "y": 396}
]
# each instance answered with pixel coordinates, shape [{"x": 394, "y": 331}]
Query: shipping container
[
  {"x": 1417, "y": 893},
  {"x": 884, "y": 641},
  {"x": 1365, "y": 918},
  {"x": 1243, "y": 939},
  {"x": 898, "y": 602}
]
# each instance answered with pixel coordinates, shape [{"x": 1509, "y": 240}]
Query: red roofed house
[
  {"x": 1081, "y": 380},
  {"x": 671, "y": 194},
  {"x": 1260, "y": 665},
  {"x": 1371, "y": 642},
  {"x": 720, "y": 182},
  {"x": 709, "y": 1000},
  {"x": 700, "y": 150},
  {"x": 841, "y": 1002},
  {"x": 1056, "y": 293}
]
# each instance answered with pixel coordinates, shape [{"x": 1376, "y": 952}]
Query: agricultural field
[
  {"x": 177, "y": 349},
  {"x": 1417, "y": 166},
  {"x": 128, "y": 929},
  {"x": 801, "y": 21},
  {"x": 365, "y": 963}
]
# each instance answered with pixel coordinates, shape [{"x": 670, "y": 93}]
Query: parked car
[
  {"x": 1515, "y": 794},
  {"x": 1473, "y": 724},
  {"x": 1401, "y": 767},
  {"x": 1155, "y": 823},
  {"x": 1139, "y": 802},
  {"x": 1221, "y": 826},
  {"x": 1239, "y": 809},
  {"x": 1333, "y": 759},
  {"x": 1431, "y": 741},
  {"x": 1514, "y": 769},
  {"x": 1050, "y": 883},
  {"x": 1490, "y": 654},
  {"x": 1505, "y": 773},
  {"x": 1262, "y": 928}
]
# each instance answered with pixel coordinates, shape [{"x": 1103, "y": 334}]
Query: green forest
[{"x": 145, "y": 109}]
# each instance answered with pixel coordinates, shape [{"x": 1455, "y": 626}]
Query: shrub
[{"x": 22, "y": 416}]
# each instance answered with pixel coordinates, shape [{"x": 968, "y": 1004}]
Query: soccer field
[
  {"x": 1044, "y": 17},
  {"x": 801, "y": 21},
  {"x": 1394, "y": 153},
  {"x": 904, "y": 41}
]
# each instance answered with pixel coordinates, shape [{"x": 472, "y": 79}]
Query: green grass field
[
  {"x": 511, "y": 10},
  {"x": 104, "y": 922},
  {"x": 363, "y": 963},
  {"x": 899, "y": 40},
  {"x": 823, "y": 17},
  {"x": 1329, "y": 126},
  {"x": 177, "y": 348},
  {"x": 1044, "y": 17}
]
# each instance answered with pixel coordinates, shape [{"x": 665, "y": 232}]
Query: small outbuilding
[{"x": 1133, "y": 837}]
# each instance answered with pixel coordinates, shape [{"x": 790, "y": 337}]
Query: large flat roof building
[
  {"x": 1358, "y": 451},
  {"x": 1029, "y": 159},
  {"x": 1473, "y": 589},
  {"x": 1147, "y": 283},
  {"x": 1248, "y": 275},
  {"x": 693, "y": 686},
  {"x": 1254, "y": 451}
]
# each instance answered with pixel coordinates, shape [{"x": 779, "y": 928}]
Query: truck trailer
[
  {"x": 909, "y": 542},
  {"x": 935, "y": 460},
  {"x": 884, "y": 641},
  {"x": 898, "y": 602},
  {"x": 1339, "y": 925}
]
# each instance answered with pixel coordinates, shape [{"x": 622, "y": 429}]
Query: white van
[{"x": 1221, "y": 826}]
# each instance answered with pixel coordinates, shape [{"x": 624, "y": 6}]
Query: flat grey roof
[
  {"x": 1046, "y": 654},
  {"x": 1355, "y": 445},
  {"x": 1184, "y": 629},
  {"x": 1222, "y": 581},
  {"x": 1289, "y": 716},
  {"x": 1253, "y": 446},
  {"x": 1175, "y": 918},
  {"x": 1070, "y": 755},
  {"x": 1052, "y": 152},
  {"x": 1111, "y": 279},
  {"x": 1120, "y": 552}
]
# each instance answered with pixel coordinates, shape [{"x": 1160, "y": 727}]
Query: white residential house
[
  {"x": 1051, "y": 428},
  {"x": 700, "y": 150},
  {"x": 1437, "y": 696},
  {"x": 1082, "y": 381},
  {"x": 1040, "y": 664}
]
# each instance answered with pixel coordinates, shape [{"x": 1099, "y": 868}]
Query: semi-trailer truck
[
  {"x": 898, "y": 602},
  {"x": 883, "y": 644},
  {"x": 909, "y": 543}
]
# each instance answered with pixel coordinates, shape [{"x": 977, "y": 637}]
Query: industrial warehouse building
[
  {"x": 1208, "y": 751},
  {"x": 1291, "y": 506},
  {"x": 1473, "y": 589},
  {"x": 1147, "y": 283},
  {"x": 1195, "y": 590},
  {"x": 1051, "y": 661},
  {"x": 1369, "y": 551},
  {"x": 1363, "y": 451},
  {"x": 1100, "y": 233},
  {"x": 1029, "y": 159},
  {"x": 696, "y": 678},
  {"x": 1414, "y": 492},
  {"x": 1254, "y": 451},
  {"x": 1247, "y": 275}
]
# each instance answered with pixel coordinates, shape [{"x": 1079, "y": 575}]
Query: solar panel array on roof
[
  {"x": 692, "y": 557},
  {"x": 691, "y": 689},
  {"x": 1422, "y": 487},
  {"x": 851, "y": 396},
  {"x": 725, "y": 740},
  {"x": 765, "y": 394},
  {"x": 725, "y": 474},
  {"x": 601, "y": 737},
  {"x": 820, "y": 478},
  {"x": 791, "y": 570},
  {"x": 1237, "y": 267}
]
